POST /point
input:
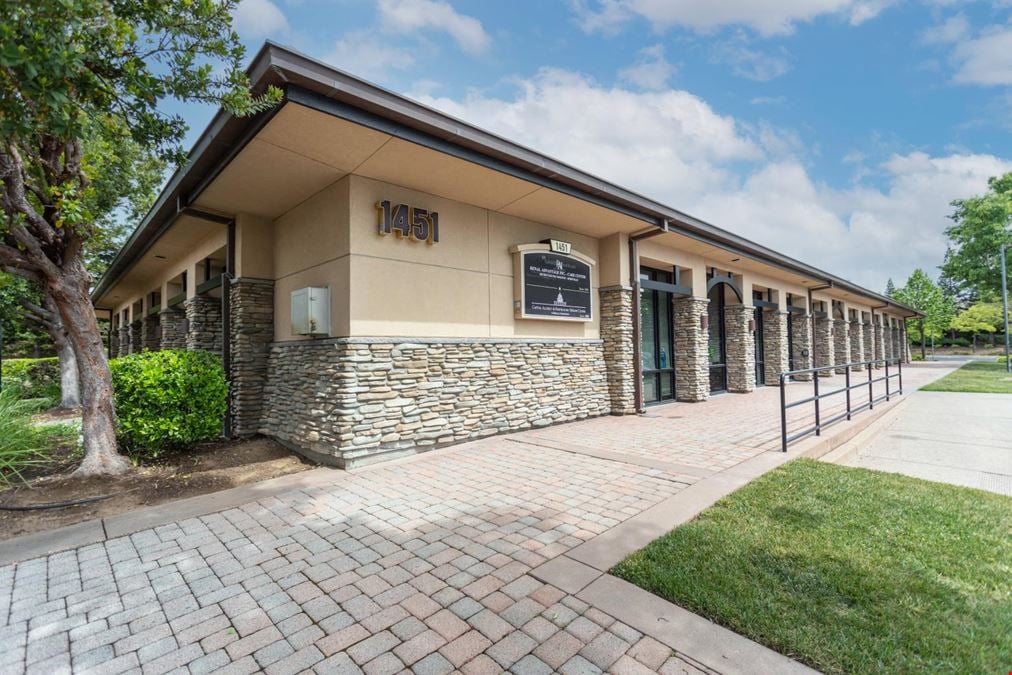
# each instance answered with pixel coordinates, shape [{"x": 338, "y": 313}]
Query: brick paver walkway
[{"x": 420, "y": 565}]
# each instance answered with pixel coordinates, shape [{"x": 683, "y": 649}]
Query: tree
[
  {"x": 890, "y": 288},
  {"x": 921, "y": 293},
  {"x": 70, "y": 69},
  {"x": 981, "y": 227},
  {"x": 984, "y": 317},
  {"x": 46, "y": 317}
]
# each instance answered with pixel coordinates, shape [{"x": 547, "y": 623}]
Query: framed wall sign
[
  {"x": 408, "y": 222},
  {"x": 550, "y": 285}
]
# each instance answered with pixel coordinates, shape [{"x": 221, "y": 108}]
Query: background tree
[
  {"x": 74, "y": 68},
  {"x": 890, "y": 288},
  {"x": 921, "y": 293},
  {"x": 981, "y": 227},
  {"x": 983, "y": 318}
]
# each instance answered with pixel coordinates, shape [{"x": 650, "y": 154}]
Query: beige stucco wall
[
  {"x": 461, "y": 286},
  {"x": 311, "y": 249}
]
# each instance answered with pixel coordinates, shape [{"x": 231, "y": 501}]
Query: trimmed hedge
[
  {"x": 32, "y": 378},
  {"x": 168, "y": 399}
]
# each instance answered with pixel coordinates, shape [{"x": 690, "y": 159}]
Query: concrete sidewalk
[{"x": 958, "y": 438}]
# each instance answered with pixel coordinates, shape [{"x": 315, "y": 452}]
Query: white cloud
[
  {"x": 752, "y": 64},
  {"x": 364, "y": 55},
  {"x": 986, "y": 59},
  {"x": 748, "y": 178},
  {"x": 766, "y": 18},
  {"x": 668, "y": 143},
  {"x": 410, "y": 16},
  {"x": 953, "y": 29},
  {"x": 259, "y": 18},
  {"x": 651, "y": 70}
]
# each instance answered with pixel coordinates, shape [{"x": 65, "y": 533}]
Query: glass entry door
[
  {"x": 657, "y": 339},
  {"x": 717, "y": 341},
  {"x": 760, "y": 349}
]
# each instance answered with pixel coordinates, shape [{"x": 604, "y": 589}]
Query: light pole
[{"x": 1004, "y": 308}]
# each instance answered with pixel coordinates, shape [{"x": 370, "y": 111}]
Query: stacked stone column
[
  {"x": 740, "y": 348},
  {"x": 251, "y": 315},
  {"x": 204, "y": 317},
  {"x": 136, "y": 337},
  {"x": 841, "y": 343},
  {"x": 857, "y": 343},
  {"x": 124, "y": 341},
  {"x": 824, "y": 344},
  {"x": 887, "y": 341},
  {"x": 173, "y": 324},
  {"x": 775, "y": 356},
  {"x": 869, "y": 341},
  {"x": 879, "y": 341},
  {"x": 151, "y": 334},
  {"x": 692, "y": 373},
  {"x": 906, "y": 343},
  {"x": 801, "y": 327},
  {"x": 113, "y": 342},
  {"x": 617, "y": 336}
]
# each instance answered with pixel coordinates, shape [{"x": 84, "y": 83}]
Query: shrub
[
  {"x": 168, "y": 399},
  {"x": 955, "y": 342},
  {"x": 22, "y": 444},
  {"x": 33, "y": 378}
]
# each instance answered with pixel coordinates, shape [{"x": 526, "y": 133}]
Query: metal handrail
[{"x": 817, "y": 396}]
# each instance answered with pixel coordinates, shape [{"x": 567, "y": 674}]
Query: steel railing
[{"x": 846, "y": 389}]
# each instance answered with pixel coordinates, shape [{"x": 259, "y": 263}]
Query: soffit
[{"x": 174, "y": 245}]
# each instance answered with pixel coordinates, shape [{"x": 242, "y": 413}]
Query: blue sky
[{"x": 834, "y": 130}]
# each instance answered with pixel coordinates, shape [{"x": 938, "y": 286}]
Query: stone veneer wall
[
  {"x": 801, "y": 327},
  {"x": 151, "y": 334},
  {"x": 740, "y": 348},
  {"x": 692, "y": 379},
  {"x": 869, "y": 341},
  {"x": 136, "y": 338},
  {"x": 348, "y": 401},
  {"x": 879, "y": 342},
  {"x": 617, "y": 337},
  {"x": 887, "y": 341},
  {"x": 857, "y": 343},
  {"x": 841, "y": 343},
  {"x": 775, "y": 356},
  {"x": 251, "y": 315},
  {"x": 113, "y": 342},
  {"x": 204, "y": 317},
  {"x": 173, "y": 322},
  {"x": 124, "y": 341},
  {"x": 824, "y": 345}
]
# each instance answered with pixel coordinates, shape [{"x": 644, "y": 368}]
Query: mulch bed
[{"x": 202, "y": 469}]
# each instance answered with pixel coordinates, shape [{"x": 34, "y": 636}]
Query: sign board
[
  {"x": 560, "y": 246},
  {"x": 552, "y": 285}
]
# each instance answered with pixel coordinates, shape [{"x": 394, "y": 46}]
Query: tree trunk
[
  {"x": 70, "y": 293},
  {"x": 70, "y": 391}
]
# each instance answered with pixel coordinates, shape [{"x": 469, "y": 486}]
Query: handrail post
[
  {"x": 871, "y": 387},
  {"x": 899, "y": 366},
  {"x": 887, "y": 378},
  {"x": 818, "y": 421},
  {"x": 783, "y": 414},
  {"x": 846, "y": 381}
]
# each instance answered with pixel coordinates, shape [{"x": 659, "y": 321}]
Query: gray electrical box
[{"x": 311, "y": 311}]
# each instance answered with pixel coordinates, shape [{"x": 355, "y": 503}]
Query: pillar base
[{"x": 692, "y": 371}]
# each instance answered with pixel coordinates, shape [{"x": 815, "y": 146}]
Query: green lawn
[
  {"x": 978, "y": 377},
  {"x": 848, "y": 570}
]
